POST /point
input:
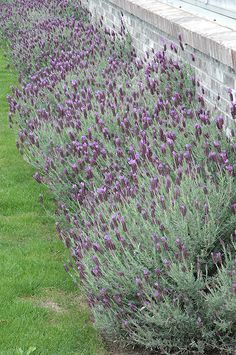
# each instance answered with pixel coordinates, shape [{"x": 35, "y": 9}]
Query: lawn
[{"x": 40, "y": 307}]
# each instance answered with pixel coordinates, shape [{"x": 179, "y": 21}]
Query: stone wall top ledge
[{"x": 219, "y": 41}]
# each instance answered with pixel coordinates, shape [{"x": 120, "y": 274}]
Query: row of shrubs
[{"x": 142, "y": 173}]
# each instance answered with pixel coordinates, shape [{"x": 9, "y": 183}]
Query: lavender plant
[{"x": 142, "y": 173}]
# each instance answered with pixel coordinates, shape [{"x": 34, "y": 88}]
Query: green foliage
[{"x": 31, "y": 350}]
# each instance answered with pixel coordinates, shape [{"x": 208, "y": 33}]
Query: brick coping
[{"x": 208, "y": 37}]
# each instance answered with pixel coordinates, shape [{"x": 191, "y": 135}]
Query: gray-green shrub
[{"x": 143, "y": 176}]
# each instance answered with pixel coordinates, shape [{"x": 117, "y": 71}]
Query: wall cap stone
[{"x": 209, "y": 37}]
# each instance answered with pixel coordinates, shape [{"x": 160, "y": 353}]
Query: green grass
[{"x": 39, "y": 304}]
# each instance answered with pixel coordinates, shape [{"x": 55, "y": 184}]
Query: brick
[
  {"x": 152, "y": 23},
  {"x": 229, "y": 80}
]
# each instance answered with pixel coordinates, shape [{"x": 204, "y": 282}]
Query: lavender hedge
[{"x": 142, "y": 173}]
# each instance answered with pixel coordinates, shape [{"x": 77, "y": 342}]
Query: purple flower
[
  {"x": 167, "y": 264},
  {"x": 183, "y": 210},
  {"x": 230, "y": 92},
  {"x": 108, "y": 242},
  {"x": 158, "y": 272},
  {"x": 157, "y": 294},
  {"x": 38, "y": 177},
  {"x": 96, "y": 271},
  {"x": 146, "y": 273},
  {"x": 125, "y": 324},
  {"x": 220, "y": 122},
  {"x": 117, "y": 298},
  {"x": 97, "y": 247},
  {"x": 95, "y": 260},
  {"x": 233, "y": 208},
  {"x": 138, "y": 282},
  {"x": 198, "y": 130},
  {"x": 216, "y": 257},
  {"x": 164, "y": 243}
]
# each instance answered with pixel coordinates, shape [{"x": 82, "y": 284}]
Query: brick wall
[{"x": 151, "y": 23}]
